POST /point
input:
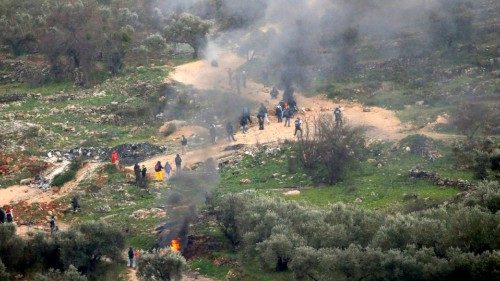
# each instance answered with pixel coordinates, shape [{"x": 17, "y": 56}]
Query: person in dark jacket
[
  {"x": 279, "y": 113},
  {"x": 244, "y": 124},
  {"x": 144, "y": 176},
  {"x": 260, "y": 117},
  {"x": 274, "y": 93},
  {"x": 75, "y": 202},
  {"x": 3, "y": 215},
  {"x": 298, "y": 127},
  {"x": 178, "y": 163},
  {"x": 130, "y": 257},
  {"x": 287, "y": 116},
  {"x": 52, "y": 224},
  {"x": 184, "y": 143},
  {"x": 230, "y": 131},
  {"x": 137, "y": 173}
]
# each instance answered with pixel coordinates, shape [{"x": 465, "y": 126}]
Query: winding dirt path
[{"x": 379, "y": 123}]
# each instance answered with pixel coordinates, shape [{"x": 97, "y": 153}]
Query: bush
[
  {"x": 4, "y": 275},
  {"x": 161, "y": 267},
  {"x": 487, "y": 195},
  {"x": 418, "y": 144},
  {"x": 84, "y": 245},
  {"x": 330, "y": 152},
  {"x": 67, "y": 176}
]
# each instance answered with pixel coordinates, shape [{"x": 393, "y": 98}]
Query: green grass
[
  {"x": 381, "y": 188},
  {"x": 208, "y": 268}
]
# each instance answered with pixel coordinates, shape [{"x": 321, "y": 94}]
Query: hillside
[{"x": 402, "y": 184}]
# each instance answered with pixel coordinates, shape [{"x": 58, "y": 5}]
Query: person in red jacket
[{"x": 114, "y": 157}]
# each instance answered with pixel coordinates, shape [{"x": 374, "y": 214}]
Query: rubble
[
  {"x": 441, "y": 181},
  {"x": 245, "y": 181}
]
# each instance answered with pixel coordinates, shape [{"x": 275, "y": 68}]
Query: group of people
[
  {"x": 6, "y": 214},
  {"x": 162, "y": 172}
]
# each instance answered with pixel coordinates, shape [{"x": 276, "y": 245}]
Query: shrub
[
  {"x": 72, "y": 274},
  {"x": 486, "y": 195},
  {"x": 69, "y": 175},
  {"x": 171, "y": 128},
  {"x": 418, "y": 144},
  {"x": 84, "y": 245},
  {"x": 330, "y": 152},
  {"x": 164, "y": 267},
  {"x": 4, "y": 275}
]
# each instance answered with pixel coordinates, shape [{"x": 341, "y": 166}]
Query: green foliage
[
  {"x": 329, "y": 152},
  {"x": 4, "y": 275},
  {"x": 84, "y": 245},
  {"x": 155, "y": 42},
  {"x": 189, "y": 29},
  {"x": 161, "y": 267},
  {"x": 472, "y": 119},
  {"x": 67, "y": 176},
  {"x": 487, "y": 195},
  {"x": 347, "y": 243},
  {"x": 418, "y": 144},
  {"x": 72, "y": 274}
]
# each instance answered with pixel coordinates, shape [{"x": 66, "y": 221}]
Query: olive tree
[
  {"x": 189, "y": 29},
  {"x": 161, "y": 267}
]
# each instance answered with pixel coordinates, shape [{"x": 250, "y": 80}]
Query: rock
[
  {"x": 245, "y": 181},
  {"x": 371, "y": 161},
  {"x": 367, "y": 109},
  {"x": 379, "y": 165},
  {"x": 25, "y": 181},
  {"x": 358, "y": 200},
  {"x": 292, "y": 193},
  {"x": 419, "y": 103}
]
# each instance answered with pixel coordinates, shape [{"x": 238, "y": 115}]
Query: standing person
[
  {"x": 168, "y": 170},
  {"x": 9, "y": 211},
  {"x": 3, "y": 215},
  {"x": 287, "y": 116},
  {"x": 298, "y": 126},
  {"x": 184, "y": 143},
  {"x": 52, "y": 224},
  {"x": 244, "y": 78},
  {"x": 213, "y": 133},
  {"x": 243, "y": 124},
  {"x": 158, "y": 171},
  {"x": 114, "y": 158},
  {"x": 279, "y": 113},
  {"x": 144, "y": 175},
  {"x": 137, "y": 173},
  {"x": 263, "y": 112},
  {"x": 338, "y": 116},
  {"x": 75, "y": 203},
  {"x": 130, "y": 257},
  {"x": 246, "y": 114},
  {"x": 274, "y": 93},
  {"x": 230, "y": 77},
  {"x": 230, "y": 131},
  {"x": 178, "y": 163},
  {"x": 261, "y": 121}
]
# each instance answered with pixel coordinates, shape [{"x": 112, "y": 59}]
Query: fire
[{"x": 175, "y": 245}]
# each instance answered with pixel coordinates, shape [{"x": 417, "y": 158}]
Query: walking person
[
  {"x": 52, "y": 224},
  {"x": 144, "y": 175},
  {"x": 178, "y": 164},
  {"x": 243, "y": 124},
  {"x": 338, "y": 116},
  {"x": 168, "y": 170},
  {"x": 213, "y": 134},
  {"x": 279, "y": 113},
  {"x": 298, "y": 127},
  {"x": 130, "y": 257},
  {"x": 137, "y": 173},
  {"x": 158, "y": 171},
  {"x": 75, "y": 203},
  {"x": 287, "y": 116},
  {"x": 115, "y": 158},
  {"x": 230, "y": 131},
  {"x": 9, "y": 214},
  {"x": 3, "y": 215},
  {"x": 184, "y": 143},
  {"x": 263, "y": 112}
]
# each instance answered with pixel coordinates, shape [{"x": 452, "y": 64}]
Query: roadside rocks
[
  {"x": 144, "y": 213},
  {"x": 441, "y": 181}
]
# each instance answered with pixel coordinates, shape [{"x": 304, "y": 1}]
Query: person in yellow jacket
[{"x": 159, "y": 175}]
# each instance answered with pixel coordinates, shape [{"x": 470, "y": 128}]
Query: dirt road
[{"x": 379, "y": 123}]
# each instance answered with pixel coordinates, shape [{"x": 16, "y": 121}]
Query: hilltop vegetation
[{"x": 83, "y": 76}]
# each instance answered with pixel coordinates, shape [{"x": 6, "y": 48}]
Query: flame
[{"x": 175, "y": 245}]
